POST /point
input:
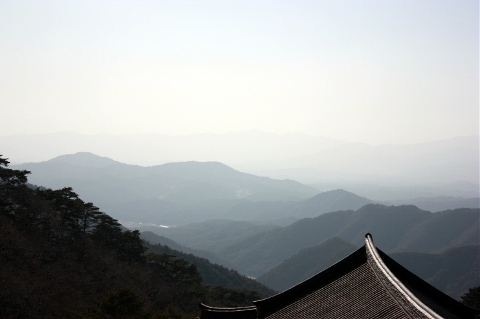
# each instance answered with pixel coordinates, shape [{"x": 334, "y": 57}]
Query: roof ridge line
[
  {"x": 403, "y": 294},
  {"x": 210, "y": 308}
]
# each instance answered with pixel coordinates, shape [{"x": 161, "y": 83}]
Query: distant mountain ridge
[
  {"x": 408, "y": 193},
  {"x": 308, "y": 159},
  {"x": 322, "y": 203},
  {"x": 169, "y": 194},
  {"x": 180, "y": 193},
  {"x": 439, "y": 203},
  {"x": 85, "y": 159},
  {"x": 154, "y": 149},
  {"x": 330, "y": 201}
]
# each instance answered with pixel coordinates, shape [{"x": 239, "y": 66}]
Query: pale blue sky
[{"x": 370, "y": 71}]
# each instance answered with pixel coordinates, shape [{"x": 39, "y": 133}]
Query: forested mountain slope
[
  {"x": 211, "y": 267},
  {"x": 216, "y": 275},
  {"x": 63, "y": 257}
]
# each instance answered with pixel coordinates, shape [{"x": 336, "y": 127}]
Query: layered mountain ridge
[{"x": 396, "y": 229}]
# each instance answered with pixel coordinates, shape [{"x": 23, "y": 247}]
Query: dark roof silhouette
[{"x": 365, "y": 284}]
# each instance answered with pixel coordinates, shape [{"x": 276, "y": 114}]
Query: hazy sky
[{"x": 372, "y": 71}]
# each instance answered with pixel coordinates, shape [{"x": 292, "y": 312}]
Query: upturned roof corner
[{"x": 365, "y": 284}]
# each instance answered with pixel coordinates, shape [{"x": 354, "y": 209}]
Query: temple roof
[{"x": 365, "y": 284}]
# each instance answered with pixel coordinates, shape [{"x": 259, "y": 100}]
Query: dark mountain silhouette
[
  {"x": 396, "y": 229},
  {"x": 444, "y": 230},
  {"x": 306, "y": 263},
  {"x": 390, "y": 224},
  {"x": 452, "y": 271}
]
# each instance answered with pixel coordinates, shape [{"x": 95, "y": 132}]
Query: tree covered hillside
[
  {"x": 216, "y": 275},
  {"x": 62, "y": 257}
]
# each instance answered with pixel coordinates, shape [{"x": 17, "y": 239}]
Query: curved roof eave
[{"x": 404, "y": 297}]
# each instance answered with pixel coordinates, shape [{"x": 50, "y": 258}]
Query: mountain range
[
  {"x": 172, "y": 193},
  {"x": 322, "y": 203},
  {"x": 408, "y": 192},
  {"x": 396, "y": 229},
  {"x": 153, "y": 149},
  {"x": 304, "y": 158},
  {"x": 181, "y": 193}
]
